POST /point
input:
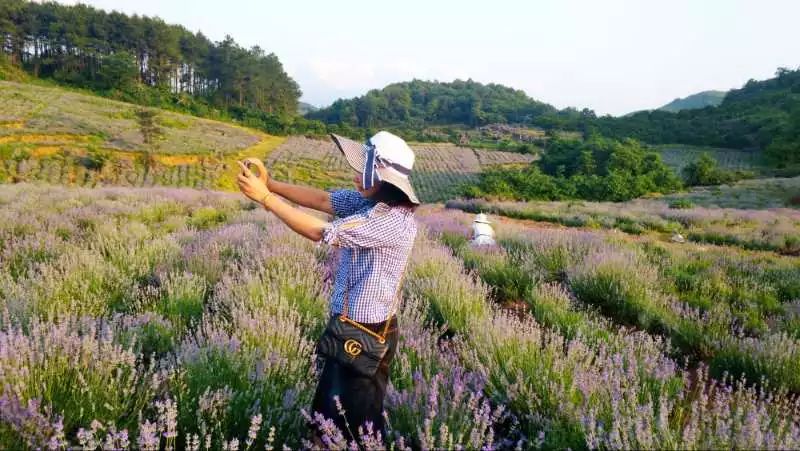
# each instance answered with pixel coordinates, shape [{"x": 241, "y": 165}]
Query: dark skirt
[{"x": 361, "y": 396}]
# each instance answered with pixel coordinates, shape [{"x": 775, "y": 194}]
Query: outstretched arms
[
  {"x": 314, "y": 198},
  {"x": 301, "y": 222},
  {"x": 308, "y": 197}
]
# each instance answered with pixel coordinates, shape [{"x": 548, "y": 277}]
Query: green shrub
[
  {"x": 681, "y": 204},
  {"x": 207, "y": 217},
  {"x": 705, "y": 171},
  {"x": 595, "y": 169}
]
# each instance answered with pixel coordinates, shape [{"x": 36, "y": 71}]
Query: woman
[{"x": 374, "y": 229}]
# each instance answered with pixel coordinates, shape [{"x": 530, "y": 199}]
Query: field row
[
  {"x": 677, "y": 156},
  {"x": 773, "y": 229},
  {"x": 439, "y": 170},
  {"x": 136, "y": 318},
  {"x": 739, "y": 312}
]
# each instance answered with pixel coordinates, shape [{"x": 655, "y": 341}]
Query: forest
[
  {"x": 145, "y": 60},
  {"x": 761, "y": 115},
  {"x": 420, "y": 103}
]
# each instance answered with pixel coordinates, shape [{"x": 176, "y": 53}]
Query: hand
[
  {"x": 250, "y": 185},
  {"x": 263, "y": 175}
]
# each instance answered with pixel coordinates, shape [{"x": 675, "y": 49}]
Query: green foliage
[
  {"x": 419, "y": 102},
  {"x": 595, "y": 169},
  {"x": 143, "y": 60},
  {"x": 95, "y": 159},
  {"x": 148, "y": 127},
  {"x": 207, "y": 217},
  {"x": 694, "y": 101},
  {"x": 704, "y": 171},
  {"x": 762, "y": 114},
  {"x": 681, "y": 204}
]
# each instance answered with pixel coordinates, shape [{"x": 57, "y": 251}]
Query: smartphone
[{"x": 253, "y": 168}]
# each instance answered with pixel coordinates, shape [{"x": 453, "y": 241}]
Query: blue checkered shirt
[{"x": 375, "y": 241}]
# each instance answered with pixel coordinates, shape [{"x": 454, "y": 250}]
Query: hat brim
[{"x": 355, "y": 154}]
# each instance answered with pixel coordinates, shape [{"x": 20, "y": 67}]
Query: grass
[{"x": 60, "y": 136}]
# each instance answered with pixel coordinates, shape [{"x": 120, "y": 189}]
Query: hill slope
[
  {"x": 61, "y": 136},
  {"x": 695, "y": 101},
  {"x": 761, "y": 115},
  {"x": 418, "y": 103}
]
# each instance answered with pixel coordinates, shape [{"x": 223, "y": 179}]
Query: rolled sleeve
[
  {"x": 346, "y": 202},
  {"x": 366, "y": 232}
]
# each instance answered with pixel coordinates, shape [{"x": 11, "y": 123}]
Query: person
[
  {"x": 482, "y": 232},
  {"x": 374, "y": 228}
]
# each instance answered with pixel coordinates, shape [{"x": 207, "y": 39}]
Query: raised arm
[
  {"x": 301, "y": 222},
  {"x": 314, "y": 198},
  {"x": 308, "y": 197}
]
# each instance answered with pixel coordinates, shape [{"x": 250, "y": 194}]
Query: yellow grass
[
  {"x": 45, "y": 151},
  {"x": 14, "y": 125},
  {"x": 43, "y": 139},
  {"x": 176, "y": 160},
  {"x": 268, "y": 143}
]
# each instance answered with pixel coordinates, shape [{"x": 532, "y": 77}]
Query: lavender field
[
  {"x": 752, "y": 218},
  {"x": 169, "y": 318}
]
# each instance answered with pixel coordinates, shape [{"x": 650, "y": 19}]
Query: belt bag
[{"x": 352, "y": 344}]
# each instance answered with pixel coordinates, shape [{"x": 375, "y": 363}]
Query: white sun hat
[
  {"x": 384, "y": 157},
  {"x": 480, "y": 217}
]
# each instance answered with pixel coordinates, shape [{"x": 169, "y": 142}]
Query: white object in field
[{"x": 482, "y": 232}]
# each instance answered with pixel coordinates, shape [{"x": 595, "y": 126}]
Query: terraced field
[
  {"x": 58, "y": 136},
  {"x": 438, "y": 171},
  {"x": 33, "y": 114}
]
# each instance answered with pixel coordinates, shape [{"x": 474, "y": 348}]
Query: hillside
[
  {"x": 145, "y": 60},
  {"x": 439, "y": 169},
  {"x": 761, "y": 115},
  {"x": 695, "y": 101},
  {"x": 419, "y": 103},
  {"x": 63, "y": 136}
]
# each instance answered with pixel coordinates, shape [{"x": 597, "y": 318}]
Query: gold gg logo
[{"x": 352, "y": 347}]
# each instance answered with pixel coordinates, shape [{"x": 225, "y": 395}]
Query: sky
[{"x": 612, "y": 56}]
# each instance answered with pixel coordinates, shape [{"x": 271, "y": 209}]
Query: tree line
[
  {"x": 143, "y": 59},
  {"x": 421, "y": 103},
  {"x": 761, "y": 115}
]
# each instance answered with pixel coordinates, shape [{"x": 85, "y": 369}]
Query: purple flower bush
[{"x": 174, "y": 318}]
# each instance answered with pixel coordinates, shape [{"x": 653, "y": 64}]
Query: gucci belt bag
[{"x": 354, "y": 345}]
